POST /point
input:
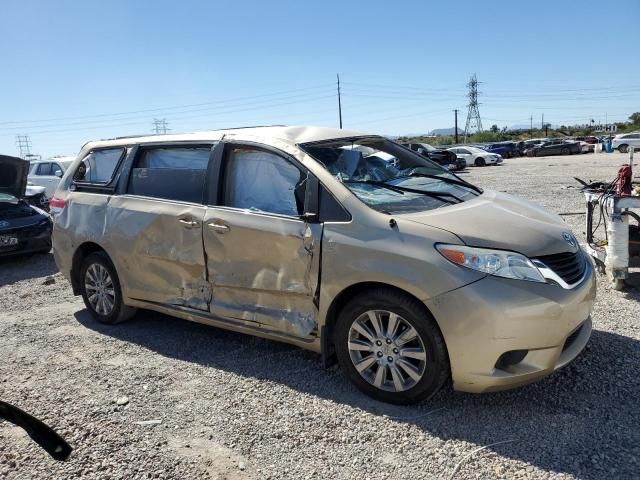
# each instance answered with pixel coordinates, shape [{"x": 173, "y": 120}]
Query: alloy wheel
[
  {"x": 387, "y": 350},
  {"x": 99, "y": 288}
]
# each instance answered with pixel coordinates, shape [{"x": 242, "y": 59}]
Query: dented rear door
[
  {"x": 262, "y": 256},
  {"x": 156, "y": 226}
]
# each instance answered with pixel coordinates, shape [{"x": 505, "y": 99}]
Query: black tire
[
  {"x": 480, "y": 162},
  {"x": 437, "y": 370},
  {"x": 120, "y": 312},
  {"x": 623, "y": 148},
  {"x": 565, "y": 151}
]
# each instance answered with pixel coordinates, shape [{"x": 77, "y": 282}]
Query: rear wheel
[
  {"x": 480, "y": 162},
  {"x": 623, "y": 148},
  {"x": 565, "y": 151},
  {"x": 390, "y": 347},
  {"x": 101, "y": 290}
]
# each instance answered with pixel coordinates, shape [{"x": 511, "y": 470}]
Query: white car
[
  {"x": 476, "y": 156},
  {"x": 47, "y": 173},
  {"x": 625, "y": 140}
]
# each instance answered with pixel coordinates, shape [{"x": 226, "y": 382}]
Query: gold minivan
[{"x": 339, "y": 242}]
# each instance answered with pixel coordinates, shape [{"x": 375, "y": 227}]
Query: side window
[
  {"x": 44, "y": 169},
  {"x": 99, "y": 166},
  {"x": 463, "y": 151},
  {"x": 56, "y": 168},
  {"x": 172, "y": 173},
  {"x": 263, "y": 181}
]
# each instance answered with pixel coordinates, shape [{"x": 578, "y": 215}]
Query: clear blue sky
[{"x": 75, "y": 70}]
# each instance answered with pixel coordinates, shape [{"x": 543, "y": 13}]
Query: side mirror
[{"x": 58, "y": 173}]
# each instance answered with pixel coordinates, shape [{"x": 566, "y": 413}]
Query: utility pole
[
  {"x": 339, "y": 101},
  {"x": 24, "y": 145},
  {"x": 531, "y": 127},
  {"x": 542, "y": 124},
  {"x": 473, "y": 115},
  {"x": 160, "y": 126},
  {"x": 456, "y": 124}
]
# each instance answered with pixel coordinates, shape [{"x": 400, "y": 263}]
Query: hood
[
  {"x": 502, "y": 221},
  {"x": 13, "y": 175}
]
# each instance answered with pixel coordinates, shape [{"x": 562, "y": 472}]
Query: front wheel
[
  {"x": 101, "y": 290},
  {"x": 480, "y": 162},
  {"x": 390, "y": 347}
]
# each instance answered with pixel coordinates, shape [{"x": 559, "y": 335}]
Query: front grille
[{"x": 568, "y": 266}]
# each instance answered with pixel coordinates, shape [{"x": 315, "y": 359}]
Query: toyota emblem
[{"x": 569, "y": 238}]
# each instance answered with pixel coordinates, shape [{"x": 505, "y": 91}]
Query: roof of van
[{"x": 293, "y": 135}]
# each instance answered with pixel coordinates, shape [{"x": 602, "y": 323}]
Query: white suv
[
  {"x": 47, "y": 173},
  {"x": 625, "y": 140}
]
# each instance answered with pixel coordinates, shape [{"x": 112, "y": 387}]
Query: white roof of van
[{"x": 292, "y": 135}]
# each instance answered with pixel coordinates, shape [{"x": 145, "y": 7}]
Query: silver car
[{"x": 339, "y": 242}]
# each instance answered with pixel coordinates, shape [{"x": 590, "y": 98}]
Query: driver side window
[{"x": 262, "y": 181}]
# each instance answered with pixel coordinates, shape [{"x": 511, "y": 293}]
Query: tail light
[{"x": 56, "y": 205}]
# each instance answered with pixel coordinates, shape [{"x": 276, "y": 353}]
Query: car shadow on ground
[
  {"x": 25, "y": 267},
  {"x": 567, "y": 417}
]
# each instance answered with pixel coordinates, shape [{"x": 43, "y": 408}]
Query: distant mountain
[
  {"x": 445, "y": 131},
  {"x": 527, "y": 127}
]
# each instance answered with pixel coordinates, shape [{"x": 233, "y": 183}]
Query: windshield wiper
[
  {"x": 401, "y": 190},
  {"x": 460, "y": 183}
]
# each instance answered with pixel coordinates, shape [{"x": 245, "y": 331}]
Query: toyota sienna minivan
[{"x": 339, "y": 242}]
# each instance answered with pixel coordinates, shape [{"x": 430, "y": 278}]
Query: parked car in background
[
  {"x": 476, "y": 156},
  {"x": 24, "y": 228},
  {"x": 406, "y": 274},
  {"x": 587, "y": 147},
  {"x": 504, "y": 149},
  {"x": 555, "y": 147},
  {"x": 47, "y": 173},
  {"x": 439, "y": 155},
  {"x": 623, "y": 141},
  {"x": 37, "y": 196}
]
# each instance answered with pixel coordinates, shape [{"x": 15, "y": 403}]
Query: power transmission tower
[
  {"x": 160, "y": 126},
  {"x": 24, "y": 145},
  {"x": 473, "y": 115}
]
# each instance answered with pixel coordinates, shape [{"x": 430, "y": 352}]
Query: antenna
[
  {"x": 473, "y": 116},
  {"x": 339, "y": 102},
  {"x": 24, "y": 145},
  {"x": 160, "y": 126}
]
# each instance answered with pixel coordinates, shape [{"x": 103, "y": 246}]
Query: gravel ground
[{"x": 231, "y": 406}]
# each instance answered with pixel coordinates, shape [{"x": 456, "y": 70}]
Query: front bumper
[{"x": 482, "y": 321}]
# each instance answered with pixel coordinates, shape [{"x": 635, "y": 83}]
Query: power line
[
  {"x": 174, "y": 107},
  {"x": 473, "y": 115}
]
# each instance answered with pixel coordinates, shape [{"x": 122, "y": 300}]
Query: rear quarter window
[{"x": 99, "y": 166}]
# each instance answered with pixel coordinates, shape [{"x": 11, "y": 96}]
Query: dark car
[
  {"x": 504, "y": 149},
  {"x": 24, "y": 228},
  {"x": 439, "y": 155},
  {"x": 555, "y": 147}
]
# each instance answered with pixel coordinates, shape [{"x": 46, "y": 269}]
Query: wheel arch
[
  {"x": 341, "y": 300},
  {"x": 85, "y": 249}
]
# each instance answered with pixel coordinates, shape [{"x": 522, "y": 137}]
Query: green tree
[
  {"x": 494, "y": 128},
  {"x": 635, "y": 118}
]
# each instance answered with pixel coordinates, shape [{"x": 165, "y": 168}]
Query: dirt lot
[{"x": 232, "y": 406}]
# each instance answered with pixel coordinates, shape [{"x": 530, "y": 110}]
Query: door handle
[
  {"x": 189, "y": 223},
  {"x": 219, "y": 227}
]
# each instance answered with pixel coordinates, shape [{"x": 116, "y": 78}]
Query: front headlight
[{"x": 493, "y": 262}]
